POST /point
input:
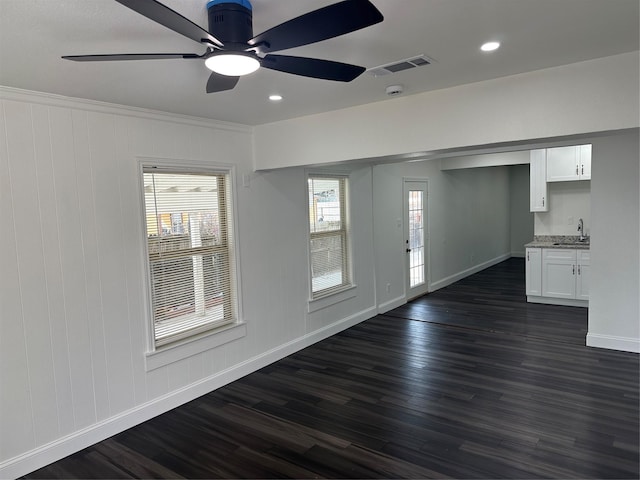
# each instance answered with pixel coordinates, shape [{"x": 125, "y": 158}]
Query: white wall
[
  {"x": 520, "y": 218},
  {"x": 72, "y": 304},
  {"x": 468, "y": 220},
  {"x": 568, "y": 202},
  {"x": 614, "y": 310},
  {"x": 592, "y": 96}
]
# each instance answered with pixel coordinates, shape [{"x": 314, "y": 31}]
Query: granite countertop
[{"x": 559, "y": 241}]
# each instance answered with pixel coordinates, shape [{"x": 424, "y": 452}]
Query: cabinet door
[
  {"x": 562, "y": 164},
  {"x": 538, "y": 181},
  {"x": 559, "y": 273},
  {"x": 584, "y": 160},
  {"x": 583, "y": 274},
  {"x": 533, "y": 269}
]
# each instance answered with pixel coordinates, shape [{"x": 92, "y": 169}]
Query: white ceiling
[{"x": 535, "y": 34}]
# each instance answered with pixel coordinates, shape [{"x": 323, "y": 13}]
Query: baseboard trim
[
  {"x": 391, "y": 304},
  {"x": 610, "y": 342},
  {"x": 566, "y": 302},
  {"x": 62, "y": 447},
  {"x": 445, "y": 282}
]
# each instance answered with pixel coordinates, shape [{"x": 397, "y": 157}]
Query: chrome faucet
[{"x": 581, "y": 230}]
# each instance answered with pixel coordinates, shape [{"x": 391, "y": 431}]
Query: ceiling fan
[{"x": 234, "y": 50}]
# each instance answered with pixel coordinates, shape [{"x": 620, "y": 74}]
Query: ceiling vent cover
[{"x": 406, "y": 64}]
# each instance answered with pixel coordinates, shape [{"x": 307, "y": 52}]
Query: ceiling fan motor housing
[{"x": 231, "y": 21}]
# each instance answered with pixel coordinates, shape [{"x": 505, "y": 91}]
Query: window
[
  {"x": 329, "y": 249},
  {"x": 189, "y": 234}
]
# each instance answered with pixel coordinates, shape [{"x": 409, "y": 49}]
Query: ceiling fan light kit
[
  {"x": 233, "y": 51},
  {"x": 490, "y": 46},
  {"x": 232, "y": 64}
]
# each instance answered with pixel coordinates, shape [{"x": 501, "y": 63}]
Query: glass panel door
[{"x": 415, "y": 203}]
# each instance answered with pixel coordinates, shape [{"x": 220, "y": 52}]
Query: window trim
[
  {"x": 320, "y": 303},
  {"x": 188, "y": 347},
  {"x": 332, "y": 295},
  {"x": 156, "y": 356}
]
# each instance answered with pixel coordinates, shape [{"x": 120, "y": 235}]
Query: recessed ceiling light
[
  {"x": 490, "y": 46},
  {"x": 275, "y": 98}
]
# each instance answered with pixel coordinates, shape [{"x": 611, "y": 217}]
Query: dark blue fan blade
[
  {"x": 312, "y": 67},
  {"x": 220, "y": 83},
  {"x": 129, "y": 56},
  {"x": 171, "y": 19},
  {"x": 322, "y": 24}
]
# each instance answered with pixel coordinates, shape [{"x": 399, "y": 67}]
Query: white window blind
[
  {"x": 190, "y": 255},
  {"x": 330, "y": 264}
]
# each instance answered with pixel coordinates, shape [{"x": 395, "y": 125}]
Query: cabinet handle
[
  {"x": 582, "y": 169},
  {"x": 576, "y": 169},
  {"x": 543, "y": 201},
  {"x": 579, "y": 270},
  {"x": 528, "y": 259},
  {"x": 573, "y": 269}
]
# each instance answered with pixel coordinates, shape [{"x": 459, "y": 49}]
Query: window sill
[
  {"x": 332, "y": 299},
  {"x": 189, "y": 347}
]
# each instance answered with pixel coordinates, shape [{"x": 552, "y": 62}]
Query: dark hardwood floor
[
  {"x": 467, "y": 382},
  {"x": 494, "y": 300}
]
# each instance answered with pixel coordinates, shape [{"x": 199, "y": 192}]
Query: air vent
[{"x": 394, "y": 67}]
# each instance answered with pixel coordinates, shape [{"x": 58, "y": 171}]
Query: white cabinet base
[
  {"x": 557, "y": 276},
  {"x": 567, "y": 302}
]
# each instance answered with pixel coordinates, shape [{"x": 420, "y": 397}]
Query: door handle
[{"x": 408, "y": 250}]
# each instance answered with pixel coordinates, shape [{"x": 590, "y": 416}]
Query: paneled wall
[{"x": 72, "y": 283}]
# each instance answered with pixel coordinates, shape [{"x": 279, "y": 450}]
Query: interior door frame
[{"x": 409, "y": 295}]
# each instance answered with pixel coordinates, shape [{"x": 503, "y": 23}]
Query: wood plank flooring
[
  {"x": 494, "y": 300},
  {"x": 467, "y": 382}
]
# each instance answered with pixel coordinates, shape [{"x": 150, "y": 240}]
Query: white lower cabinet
[
  {"x": 533, "y": 269},
  {"x": 584, "y": 274},
  {"x": 560, "y": 275}
]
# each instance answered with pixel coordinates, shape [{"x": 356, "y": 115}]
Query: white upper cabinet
[
  {"x": 538, "y": 181},
  {"x": 569, "y": 163},
  {"x": 584, "y": 156}
]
